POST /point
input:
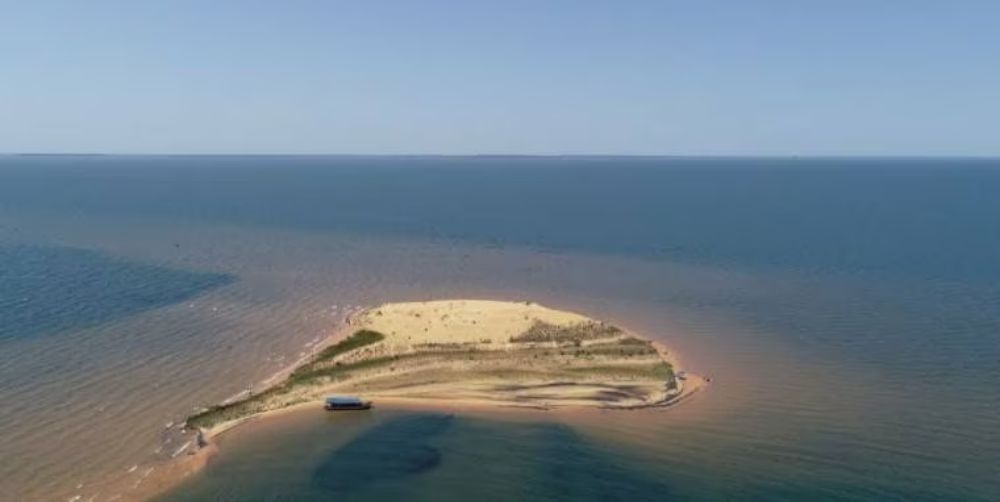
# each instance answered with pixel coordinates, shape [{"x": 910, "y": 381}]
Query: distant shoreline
[{"x": 501, "y": 156}]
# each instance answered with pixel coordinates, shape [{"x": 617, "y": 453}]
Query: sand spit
[
  {"x": 477, "y": 355},
  {"x": 475, "y": 351}
]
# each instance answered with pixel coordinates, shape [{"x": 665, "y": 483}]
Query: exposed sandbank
[
  {"x": 502, "y": 353},
  {"x": 455, "y": 355}
]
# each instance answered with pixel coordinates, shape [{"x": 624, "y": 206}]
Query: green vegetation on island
[
  {"x": 518, "y": 354},
  {"x": 306, "y": 374}
]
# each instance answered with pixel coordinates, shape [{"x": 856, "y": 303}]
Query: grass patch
[
  {"x": 305, "y": 374},
  {"x": 658, "y": 371},
  {"x": 575, "y": 333},
  {"x": 631, "y": 340},
  {"x": 447, "y": 346},
  {"x": 220, "y": 413},
  {"x": 356, "y": 341},
  {"x": 616, "y": 350}
]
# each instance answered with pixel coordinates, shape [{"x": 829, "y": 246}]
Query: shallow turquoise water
[{"x": 849, "y": 311}]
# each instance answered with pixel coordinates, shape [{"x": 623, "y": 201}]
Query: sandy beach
[
  {"x": 474, "y": 351},
  {"x": 506, "y": 359}
]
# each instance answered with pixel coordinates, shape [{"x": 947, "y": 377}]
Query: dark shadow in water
[
  {"x": 432, "y": 457},
  {"x": 45, "y": 290},
  {"x": 396, "y": 449},
  {"x": 561, "y": 465},
  {"x": 573, "y": 469}
]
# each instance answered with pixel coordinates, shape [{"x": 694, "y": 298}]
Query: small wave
[{"x": 181, "y": 449}]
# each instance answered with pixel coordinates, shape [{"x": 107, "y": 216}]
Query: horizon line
[{"x": 521, "y": 155}]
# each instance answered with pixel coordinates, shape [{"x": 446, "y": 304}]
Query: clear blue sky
[{"x": 770, "y": 77}]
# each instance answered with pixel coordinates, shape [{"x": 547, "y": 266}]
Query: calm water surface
[{"x": 848, "y": 310}]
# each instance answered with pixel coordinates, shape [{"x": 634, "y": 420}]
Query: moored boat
[{"x": 336, "y": 403}]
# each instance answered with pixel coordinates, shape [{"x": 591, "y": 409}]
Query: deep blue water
[
  {"x": 876, "y": 280},
  {"x": 44, "y": 290},
  {"x": 905, "y": 217}
]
